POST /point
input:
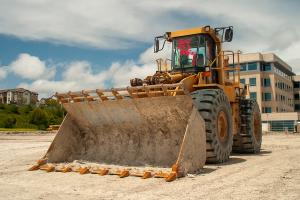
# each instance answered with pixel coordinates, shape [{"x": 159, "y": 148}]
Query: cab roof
[{"x": 193, "y": 31}]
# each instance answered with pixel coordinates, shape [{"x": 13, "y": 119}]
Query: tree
[
  {"x": 10, "y": 122},
  {"x": 14, "y": 109},
  {"x": 40, "y": 118},
  {"x": 28, "y": 109},
  {"x": 52, "y": 103}
]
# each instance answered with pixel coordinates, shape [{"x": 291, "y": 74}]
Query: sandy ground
[{"x": 273, "y": 174}]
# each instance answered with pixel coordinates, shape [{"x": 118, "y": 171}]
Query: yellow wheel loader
[{"x": 191, "y": 111}]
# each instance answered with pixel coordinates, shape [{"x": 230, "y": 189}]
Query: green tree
[
  {"x": 52, "y": 103},
  {"x": 28, "y": 109},
  {"x": 40, "y": 118},
  {"x": 13, "y": 109},
  {"x": 9, "y": 122},
  {"x": 54, "y": 110}
]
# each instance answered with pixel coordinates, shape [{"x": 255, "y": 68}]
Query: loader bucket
[{"x": 139, "y": 133}]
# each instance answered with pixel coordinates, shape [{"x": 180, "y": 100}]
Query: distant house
[
  {"x": 44, "y": 100},
  {"x": 18, "y": 96}
]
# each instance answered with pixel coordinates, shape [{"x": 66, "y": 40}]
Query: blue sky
[
  {"x": 52, "y": 45},
  {"x": 11, "y": 47}
]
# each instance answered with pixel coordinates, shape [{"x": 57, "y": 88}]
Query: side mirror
[
  {"x": 228, "y": 34},
  {"x": 156, "y": 45}
]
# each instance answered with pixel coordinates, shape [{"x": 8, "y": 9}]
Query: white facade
[{"x": 9, "y": 97}]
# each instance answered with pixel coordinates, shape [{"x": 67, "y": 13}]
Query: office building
[{"x": 271, "y": 83}]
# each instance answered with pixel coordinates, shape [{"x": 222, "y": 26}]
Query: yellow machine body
[{"x": 154, "y": 127}]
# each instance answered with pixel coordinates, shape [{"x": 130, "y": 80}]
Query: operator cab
[
  {"x": 192, "y": 53},
  {"x": 195, "y": 50}
]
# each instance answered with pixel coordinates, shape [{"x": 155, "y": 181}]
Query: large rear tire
[
  {"x": 250, "y": 137},
  {"x": 214, "y": 107}
]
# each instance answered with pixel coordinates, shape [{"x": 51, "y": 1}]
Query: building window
[
  {"x": 281, "y": 85},
  {"x": 267, "y": 110},
  {"x": 267, "y": 96},
  {"x": 296, "y": 84},
  {"x": 242, "y": 80},
  {"x": 267, "y": 82},
  {"x": 252, "y": 81},
  {"x": 252, "y": 66},
  {"x": 296, "y": 96},
  {"x": 243, "y": 67},
  {"x": 281, "y": 125},
  {"x": 253, "y": 95},
  {"x": 266, "y": 67},
  {"x": 297, "y": 107}
]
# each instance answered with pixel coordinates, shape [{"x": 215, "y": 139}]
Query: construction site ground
[{"x": 272, "y": 174}]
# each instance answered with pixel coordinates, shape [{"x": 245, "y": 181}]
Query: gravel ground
[{"x": 272, "y": 174}]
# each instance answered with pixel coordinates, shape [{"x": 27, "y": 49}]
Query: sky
[{"x": 52, "y": 46}]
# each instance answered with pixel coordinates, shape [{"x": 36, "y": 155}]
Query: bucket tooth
[
  {"x": 84, "y": 170},
  {"x": 63, "y": 169},
  {"x": 168, "y": 176},
  {"x": 34, "y": 167},
  {"x": 144, "y": 174},
  {"x": 103, "y": 172},
  {"x": 39, "y": 163},
  {"x": 124, "y": 173},
  {"x": 147, "y": 174},
  {"x": 171, "y": 177},
  {"x": 66, "y": 169},
  {"x": 42, "y": 161},
  {"x": 48, "y": 168},
  {"x": 76, "y": 169}
]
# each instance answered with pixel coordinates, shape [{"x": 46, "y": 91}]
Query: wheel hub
[{"x": 222, "y": 127}]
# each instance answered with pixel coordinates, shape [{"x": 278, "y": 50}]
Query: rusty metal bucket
[{"x": 164, "y": 131}]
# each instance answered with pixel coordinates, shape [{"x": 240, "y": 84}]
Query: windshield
[{"x": 192, "y": 51}]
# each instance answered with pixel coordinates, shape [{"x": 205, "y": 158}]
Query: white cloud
[
  {"x": 114, "y": 25},
  {"x": 120, "y": 73},
  {"x": 149, "y": 56},
  {"x": 3, "y": 73},
  {"x": 79, "y": 75},
  {"x": 46, "y": 88},
  {"x": 31, "y": 67},
  {"x": 81, "y": 71}
]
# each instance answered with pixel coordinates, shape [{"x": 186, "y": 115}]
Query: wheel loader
[{"x": 192, "y": 111}]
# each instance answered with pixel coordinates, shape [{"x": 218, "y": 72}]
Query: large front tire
[
  {"x": 250, "y": 137},
  {"x": 214, "y": 107}
]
